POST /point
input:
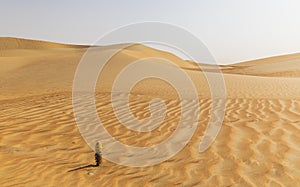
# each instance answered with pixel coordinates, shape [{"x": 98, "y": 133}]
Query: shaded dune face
[{"x": 40, "y": 144}]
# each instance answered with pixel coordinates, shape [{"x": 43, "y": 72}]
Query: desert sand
[{"x": 40, "y": 144}]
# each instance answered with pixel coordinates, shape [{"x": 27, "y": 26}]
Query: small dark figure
[
  {"x": 98, "y": 159},
  {"x": 98, "y": 154}
]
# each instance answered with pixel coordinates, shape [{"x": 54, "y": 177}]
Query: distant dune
[
  {"x": 40, "y": 144},
  {"x": 8, "y": 43},
  {"x": 281, "y": 66}
]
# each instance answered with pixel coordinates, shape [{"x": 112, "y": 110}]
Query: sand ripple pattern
[{"x": 258, "y": 145}]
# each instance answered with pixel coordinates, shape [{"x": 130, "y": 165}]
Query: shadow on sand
[{"x": 83, "y": 167}]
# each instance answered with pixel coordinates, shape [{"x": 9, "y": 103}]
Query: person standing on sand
[{"x": 98, "y": 154}]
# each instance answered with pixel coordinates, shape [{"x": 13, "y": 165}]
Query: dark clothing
[{"x": 98, "y": 159}]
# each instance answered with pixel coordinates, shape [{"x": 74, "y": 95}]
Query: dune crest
[{"x": 7, "y": 43}]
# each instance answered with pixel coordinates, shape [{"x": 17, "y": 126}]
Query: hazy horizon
[{"x": 184, "y": 57}]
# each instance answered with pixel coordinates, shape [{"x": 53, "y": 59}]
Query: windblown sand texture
[{"x": 40, "y": 144}]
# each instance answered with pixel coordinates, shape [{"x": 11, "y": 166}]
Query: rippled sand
[{"x": 40, "y": 144}]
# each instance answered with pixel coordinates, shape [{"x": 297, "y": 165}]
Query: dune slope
[{"x": 281, "y": 66}]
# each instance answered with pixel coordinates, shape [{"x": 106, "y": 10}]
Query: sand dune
[
  {"x": 8, "y": 43},
  {"x": 281, "y": 66},
  {"x": 40, "y": 144}
]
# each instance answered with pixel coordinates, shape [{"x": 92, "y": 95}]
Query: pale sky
[{"x": 233, "y": 30}]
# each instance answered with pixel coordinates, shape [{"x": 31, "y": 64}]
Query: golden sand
[{"x": 40, "y": 144}]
